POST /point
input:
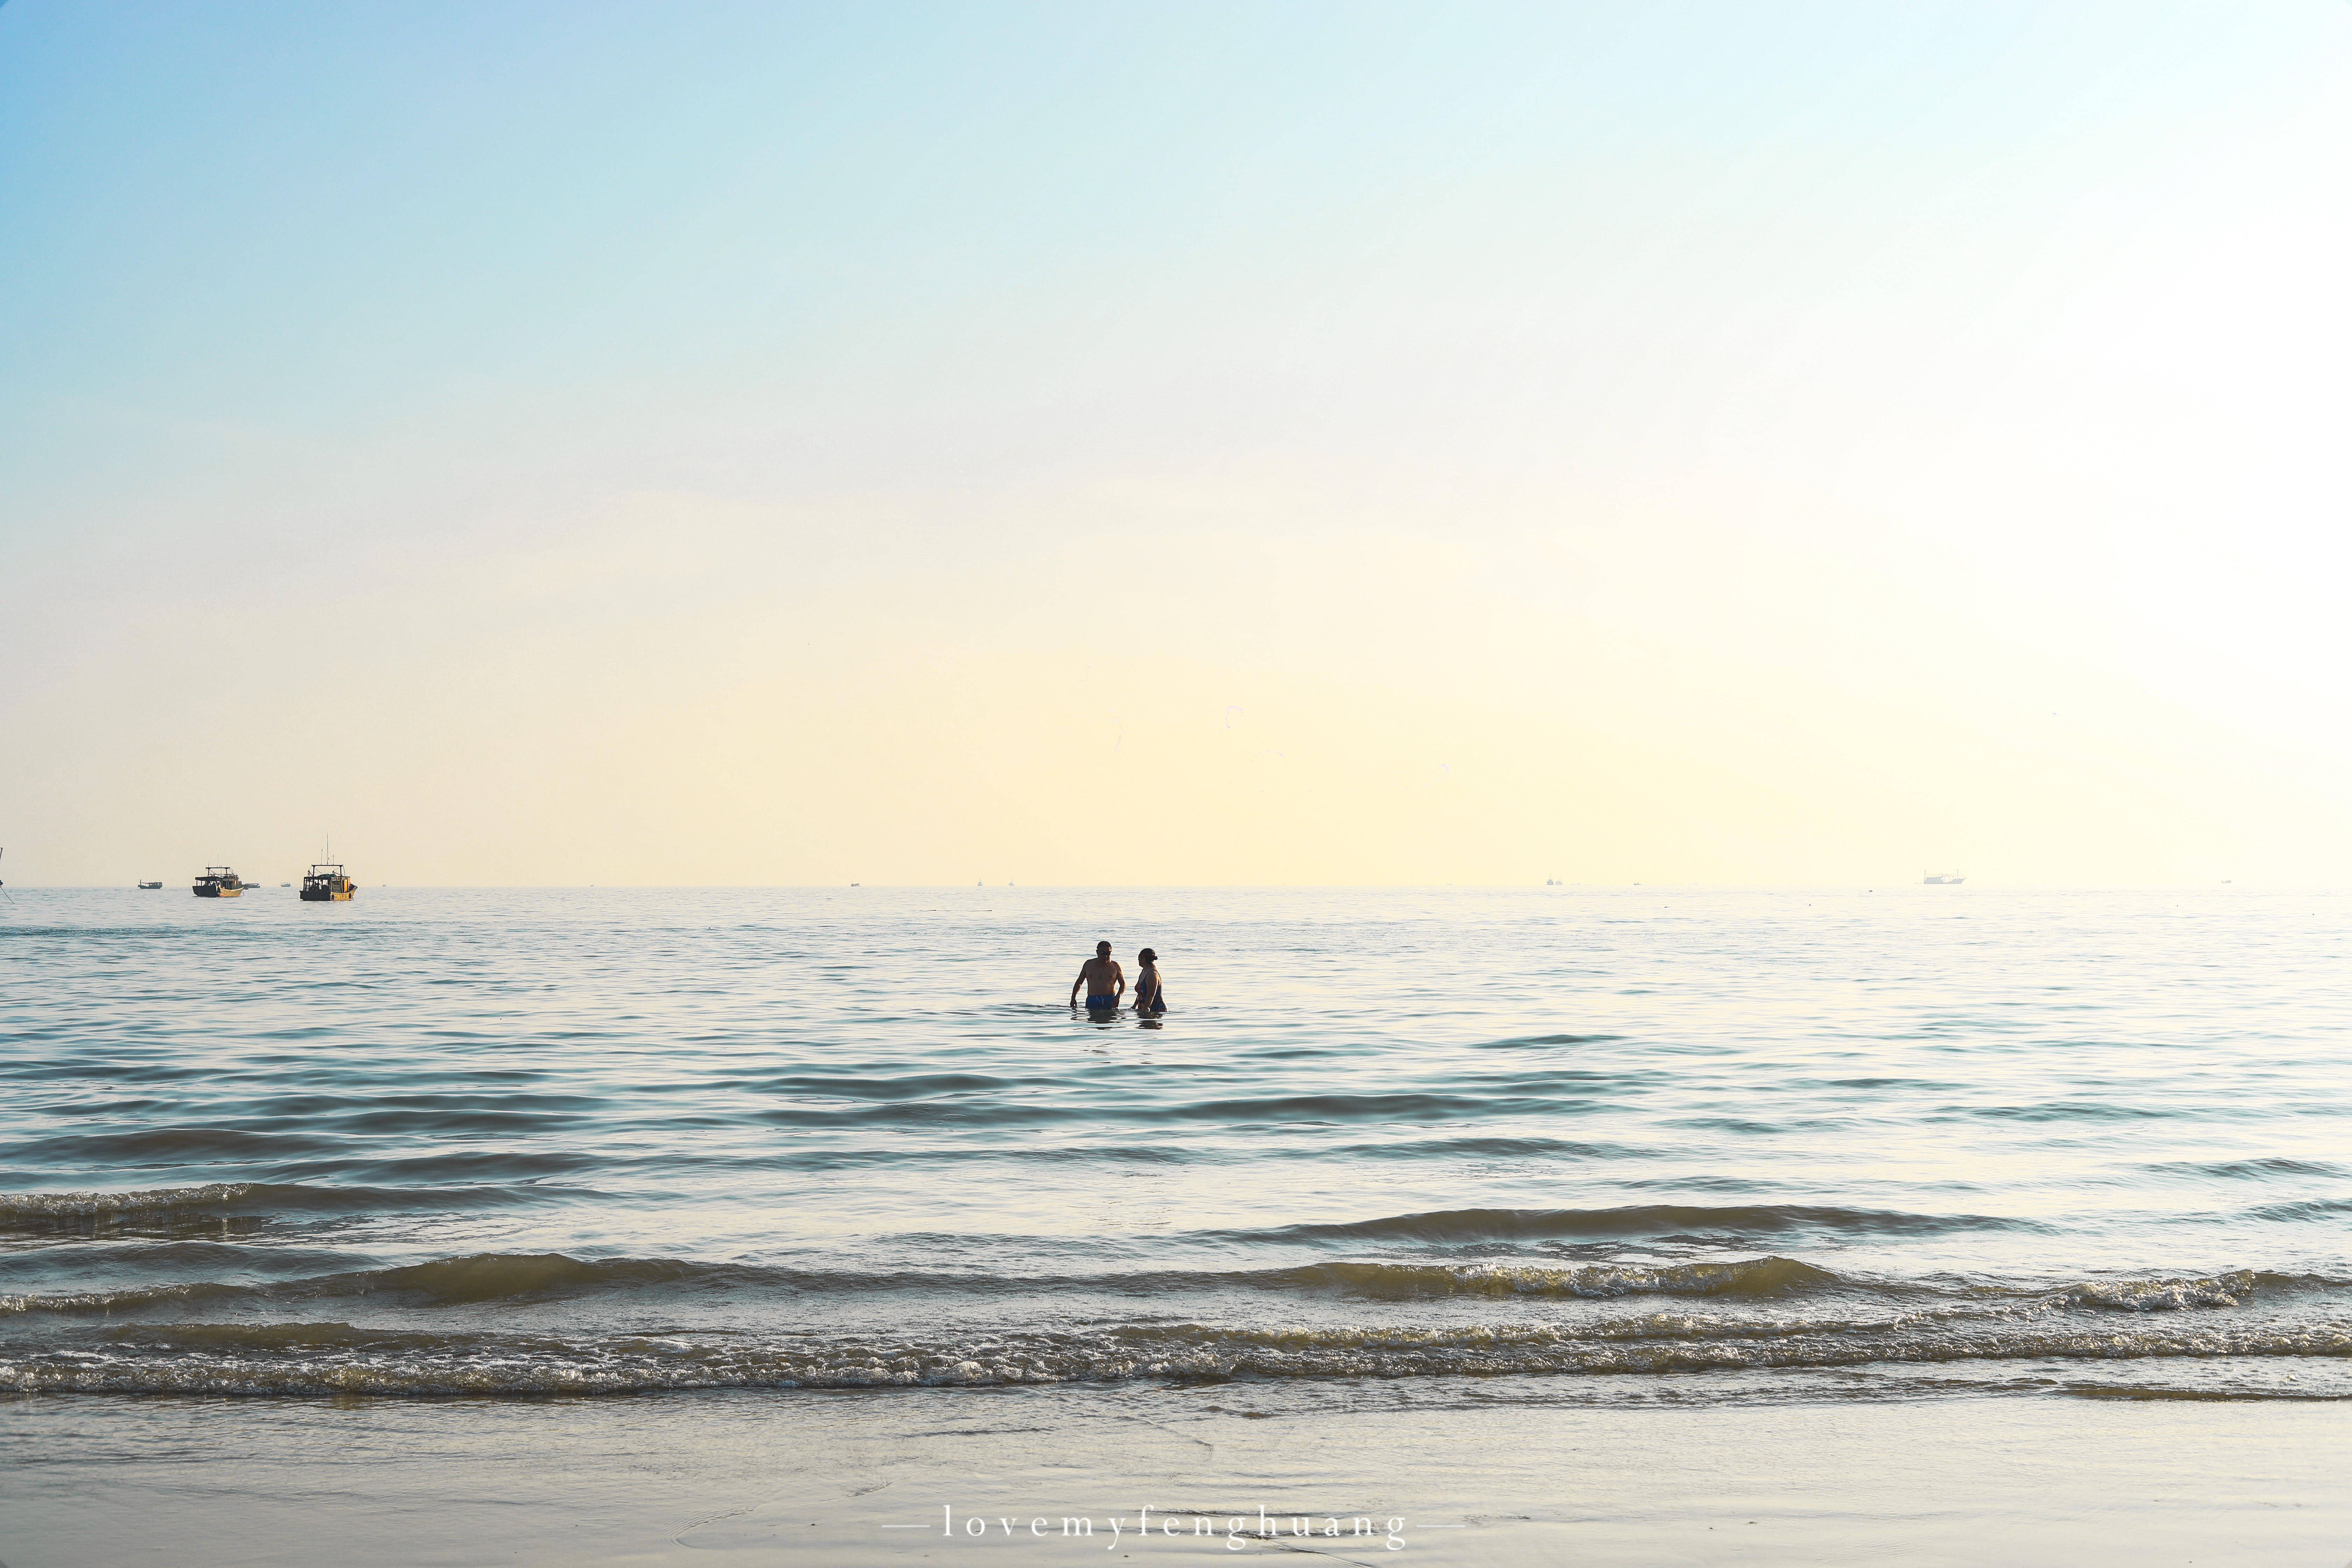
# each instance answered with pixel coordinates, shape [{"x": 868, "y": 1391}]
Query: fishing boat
[
  {"x": 1943, "y": 878},
  {"x": 219, "y": 882},
  {"x": 151, "y": 886},
  {"x": 325, "y": 883}
]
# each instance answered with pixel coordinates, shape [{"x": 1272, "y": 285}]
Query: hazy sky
[{"x": 1737, "y": 443}]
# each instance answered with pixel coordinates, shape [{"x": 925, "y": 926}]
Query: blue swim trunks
[{"x": 1096, "y": 1003}]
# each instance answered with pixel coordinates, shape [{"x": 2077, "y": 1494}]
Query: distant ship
[
  {"x": 151, "y": 884},
  {"x": 325, "y": 883},
  {"x": 218, "y": 882},
  {"x": 1943, "y": 878}
]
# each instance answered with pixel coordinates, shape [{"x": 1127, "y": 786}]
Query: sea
[{"x": 1607, "y": 1146}]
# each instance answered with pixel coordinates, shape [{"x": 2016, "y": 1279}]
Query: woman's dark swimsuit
[{"x": 1154, "y": 1000}]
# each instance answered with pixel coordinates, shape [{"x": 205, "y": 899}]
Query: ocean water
[{"x": 1620, "y": 1146}]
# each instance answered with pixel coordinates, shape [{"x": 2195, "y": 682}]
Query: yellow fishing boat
[
  {"x": 219, "y": 882},
  {"x": 325, "y": 883}
]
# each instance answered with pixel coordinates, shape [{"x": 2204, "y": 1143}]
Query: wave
[
  {"x": 894, "y": 1157},
  {"x": 2309, "y": 1208},
  {"x": 2172, "y": 1295},
  {"x": 2250, "y": 1170},
  {"x": 200, "y": 1210},
  {"x": 1652, "y": 1220},
  {"x": 1473, "y": 1148},
  {"x": 1253, "y": 1111},
  {"x": 2074, "y": 1111},
  {"x": 2155, "y": 1393},
  {"x": 88, "y": 933},
  {"x": 910, "y": 1086},
  {"x": 484, "y": 1279},
  {"x": 1754, "y": 1277},
  {"x": 172, "y": 1146},
  {"x": 444, "y": 1282},
  {"x": 338, "y": 1359},
  {"x": 345, "y": 1144},
  {"x": 1526, "y": 1041}
]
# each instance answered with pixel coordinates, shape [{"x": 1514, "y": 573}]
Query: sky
[{"x": 1740, "y": 444}]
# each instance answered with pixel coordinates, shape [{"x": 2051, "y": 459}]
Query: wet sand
[{"x": 1476, "y": 1475}]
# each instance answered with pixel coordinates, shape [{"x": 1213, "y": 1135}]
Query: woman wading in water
[{"x": 1150, "y": 1000}]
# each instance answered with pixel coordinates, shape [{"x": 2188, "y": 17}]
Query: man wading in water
[{"x": 1102, "y": 979}]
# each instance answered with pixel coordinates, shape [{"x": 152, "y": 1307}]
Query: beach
[
  {"x": 1474, "y": 1474},
  {"x": 1931, "y": 1225}
]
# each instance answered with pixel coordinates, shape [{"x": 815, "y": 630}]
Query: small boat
[
  {"x": 325, "y": 883},
  {"x": 1943, "y": 878},
  {"x": 219, "y": 882},
  {"x": 150, "y": 885}
]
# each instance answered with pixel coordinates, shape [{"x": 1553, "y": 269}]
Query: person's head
[
  {"x": 1102, "y": 950},
  {"x": 1147, "y": 957}
]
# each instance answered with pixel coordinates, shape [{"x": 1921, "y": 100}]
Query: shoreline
[{"x": 1465, "y": 1471}]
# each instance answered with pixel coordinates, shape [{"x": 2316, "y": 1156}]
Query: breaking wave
[{"x": 336, "y": 1358}]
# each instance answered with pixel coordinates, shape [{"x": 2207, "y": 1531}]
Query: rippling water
[{"x": 1644, "y": 1144}]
